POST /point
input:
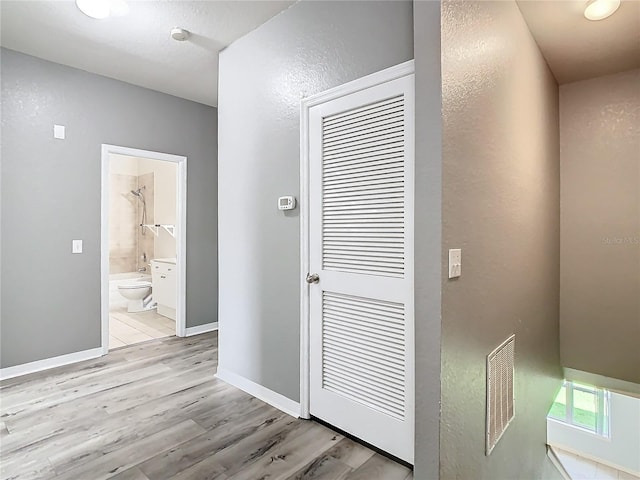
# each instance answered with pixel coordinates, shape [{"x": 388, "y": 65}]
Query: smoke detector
[{"x": 179, "y": 34}]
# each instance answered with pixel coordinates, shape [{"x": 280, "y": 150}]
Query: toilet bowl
[{"x": 138, "y": 294}]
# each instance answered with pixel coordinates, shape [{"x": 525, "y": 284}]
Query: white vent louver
[
  {"x": 363, "y": 189},
  {"x": 500, "y": 391},
  {"x": 363, "y": 351}
]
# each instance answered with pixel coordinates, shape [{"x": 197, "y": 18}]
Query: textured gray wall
[
  {"x": 308, "y": 48},
  {"x": 500, "y": 205},
  {"x": 51, "y": 195},
  {"x": 428, "y": 236},
  {"x": 600, "y": 255}
]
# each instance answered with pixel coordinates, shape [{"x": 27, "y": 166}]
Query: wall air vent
[{"x": 500, "y": 391}]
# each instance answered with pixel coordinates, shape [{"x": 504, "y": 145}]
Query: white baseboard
[
  {"x": 274, "y": 399},
  {"x": 47, "y": 363},
  {"x": 207, "y": 327}
]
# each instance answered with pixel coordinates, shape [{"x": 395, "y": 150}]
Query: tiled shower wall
[
  {"x": 127, "y": 245},
  {"x": 122, "y": 223}
]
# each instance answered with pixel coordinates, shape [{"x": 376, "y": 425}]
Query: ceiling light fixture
[
  {"x": 600, "y": 9},
  {"x": 179, "y": 34},
  {"x": 101, "y": 9}
]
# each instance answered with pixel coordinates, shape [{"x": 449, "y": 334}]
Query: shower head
[{"x": 138, "y": 192}]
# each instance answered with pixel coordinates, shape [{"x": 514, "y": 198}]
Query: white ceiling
[
  {"x": 576, "y": 48},
  {"x": 137, "y": 48}
]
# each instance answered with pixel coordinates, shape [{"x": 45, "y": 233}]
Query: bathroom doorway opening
[{"x": 143, "y": 246}]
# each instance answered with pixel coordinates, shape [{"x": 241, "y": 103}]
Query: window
[{"x": 582, "y": 406}]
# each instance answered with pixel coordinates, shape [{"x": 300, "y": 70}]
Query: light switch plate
[
  {"x": 58, "y": 132},
  {"x": 76, "y": 246},
  {"x": 455, "y": 263}
]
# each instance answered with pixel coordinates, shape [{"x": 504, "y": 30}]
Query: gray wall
[
  {"x": 501, "y": 206},
  {"x": 51, "y": 195},
  {"x": 428, "y": 236},
  {"x": 308, "y": 48},
  {"x": 600, "y": 224}
]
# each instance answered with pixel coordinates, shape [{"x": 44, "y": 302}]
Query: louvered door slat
[
  {"x": 370, "y": 264},
  {"x": 368, "y": 130},
  {"x": 364, "y": 228},
  {"x": 392, "y": 200},
  {"x": 358, "y": 166},
  {"x": 372, "y": 353},
  {"x": 379, "y": 322},
  {"x": 364, "y": 191},
  {"x": 365, "y": 133},
  {"x": 365, "y": 110},
  {"x": 388, "y": 128},
  {"x": 335, "y": 323},
  {"x": 348, "y": 356},
  {"x": 388, "y": 153},
  {"x": 344, "y": 322},
  {"x": 385, "y": 109},
  {"x": 356, "y": 124},
  {"x": 363, "y": 249},
  {"x": 352, "y": 145},
  {"x": 361, "y": 341},
  {"x": 384, "y": 389},
  {"x": 373, "y": 257},
  {"x": 367, "y": 254},
  {"x": 366, "y": 398},
  {"x": 360, "y": 362},
  {"x": 363, "y": 184},
  {"x": 393, "y": 310},
  {"x": 362, "y": 150},
  {"x": 341, "y": 221},
  {"x": 364, "y": 216}
]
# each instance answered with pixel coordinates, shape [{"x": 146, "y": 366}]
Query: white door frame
[
  {"x": 383, "y": 76},
  {"x": 181, "y": 237}
]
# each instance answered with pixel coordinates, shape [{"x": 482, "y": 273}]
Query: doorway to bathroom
[{"x": 143, "y": 247}]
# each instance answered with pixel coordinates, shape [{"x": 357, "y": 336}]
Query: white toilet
[{"x": 138, "y": 292}]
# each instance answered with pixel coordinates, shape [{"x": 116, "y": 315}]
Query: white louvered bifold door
[{"x": 361, "y": 245}]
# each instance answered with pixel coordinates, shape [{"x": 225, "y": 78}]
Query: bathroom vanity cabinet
[{"x": 164, "y": 279}]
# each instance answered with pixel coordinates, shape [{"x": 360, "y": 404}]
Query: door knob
[{"x": 313, "y": 278}]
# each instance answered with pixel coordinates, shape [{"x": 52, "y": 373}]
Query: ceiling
[
  {"x": 576, "y": 48},
  {"x": 137, "y": 48}
]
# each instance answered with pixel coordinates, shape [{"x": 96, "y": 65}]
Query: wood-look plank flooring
[{"x": 155, "y": 411}]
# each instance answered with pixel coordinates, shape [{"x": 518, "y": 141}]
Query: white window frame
[{"x": 603, "y": 399}]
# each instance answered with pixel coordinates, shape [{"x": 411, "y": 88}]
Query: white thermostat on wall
[{"x": 286, "y": 203}]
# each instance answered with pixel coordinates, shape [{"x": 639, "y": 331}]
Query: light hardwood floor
[{"x": 155, "y": 411}]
